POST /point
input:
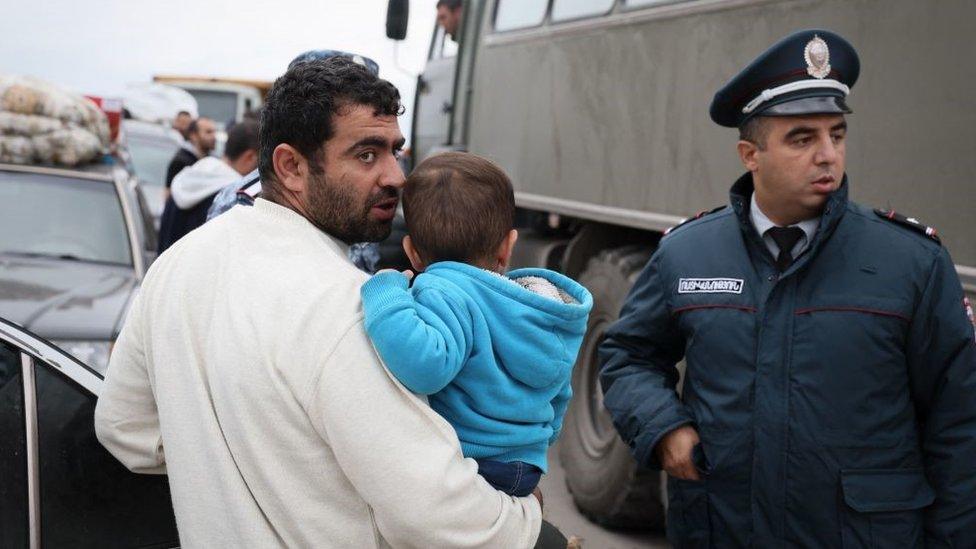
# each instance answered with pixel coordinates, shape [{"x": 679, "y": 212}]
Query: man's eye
[
  {"x": 837, "y": 137},
  {"x": 368, "y": 157},
  {"x": 801, "y": 141}
]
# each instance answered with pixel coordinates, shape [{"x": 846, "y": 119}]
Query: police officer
[{"x": 829, "y": 398}]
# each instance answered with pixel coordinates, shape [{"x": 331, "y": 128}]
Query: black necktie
[{"x": 785, "y": 239}]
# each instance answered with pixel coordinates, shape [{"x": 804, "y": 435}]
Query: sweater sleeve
[
  {"x": 405, "y": 461},
  {"x": 126, "y": 418},
  {"x": 421, "y": 337}
]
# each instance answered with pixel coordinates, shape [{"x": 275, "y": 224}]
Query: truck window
[
  {"x": 519, "y": 14},
  {"x": 641, "y": 3},
  {"x": 442, "y": 47},
  {"x": 565, "y": 10},
  {"x": 219, "y": 106}
]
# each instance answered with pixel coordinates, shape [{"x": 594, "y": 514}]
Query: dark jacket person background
[
  {"x": 201, "y": 140},
  {"x": 831, "y": 368},
  {"x": 195, "y": 187}
]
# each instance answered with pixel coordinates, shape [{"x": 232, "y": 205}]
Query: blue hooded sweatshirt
[{"x": 494, "y": 353}]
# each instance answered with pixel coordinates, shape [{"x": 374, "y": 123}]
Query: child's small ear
[
  {"x": 504, "y": 255},
  {"x": 412, "y": 255}
]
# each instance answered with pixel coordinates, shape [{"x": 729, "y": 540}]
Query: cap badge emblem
[{"x": 817, "y": 56}]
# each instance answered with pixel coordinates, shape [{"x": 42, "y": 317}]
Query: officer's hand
[{"x": 674, "y": 452}]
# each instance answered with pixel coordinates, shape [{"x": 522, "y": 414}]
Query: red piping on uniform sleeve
[
  {"x": 853, "y": 310},
  {"x": 745, "y": 308}
]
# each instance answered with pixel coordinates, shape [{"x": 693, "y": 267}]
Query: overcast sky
[{"x": 98, "y": 46}]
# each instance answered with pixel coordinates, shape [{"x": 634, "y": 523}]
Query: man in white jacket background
[
  {"x": 244, "y": 372},
  {"x": 195, "y": 187}
]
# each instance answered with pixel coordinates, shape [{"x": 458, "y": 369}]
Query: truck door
[{"x": 434, "y": 102}]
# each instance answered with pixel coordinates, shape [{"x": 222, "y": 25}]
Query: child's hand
[{"x": 407, "y": 273}]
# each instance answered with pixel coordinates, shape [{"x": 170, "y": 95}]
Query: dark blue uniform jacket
[{"x": 836, "y": 402}]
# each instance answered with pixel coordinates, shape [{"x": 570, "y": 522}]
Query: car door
[{"x": 60, "y": 487}]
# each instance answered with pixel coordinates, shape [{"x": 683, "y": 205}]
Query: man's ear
[
  {"x": 504, "y": 253},
  {"x": 412, "y": 255},
  {"x": 290, "y": 167},
  {"x": 747, "y": 154}
]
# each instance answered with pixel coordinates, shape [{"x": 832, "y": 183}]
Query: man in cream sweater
[{"x": 244, "y": 373}]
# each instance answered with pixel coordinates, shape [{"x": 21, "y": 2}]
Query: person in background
[
  {"x": 182, "y": 123},
  {"x": 201, "y": 140},
  {"x": 194, "y": 188},
  {"x": 246, "y": 190},
  {"x": 449, "y": 17}
]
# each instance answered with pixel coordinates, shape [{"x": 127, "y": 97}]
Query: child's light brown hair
[{"x": 458, "y": 207}]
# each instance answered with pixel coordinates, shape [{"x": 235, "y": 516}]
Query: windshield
[
  {"x": 151, "y": 158},
  {"x": 219, "y": 106},
  {"x": 62, "y": 217}
]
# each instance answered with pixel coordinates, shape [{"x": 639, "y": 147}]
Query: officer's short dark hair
[
  {"x": 458, "y": 207},
  {"x": 755, "y": 131},
  {"x": 449, "y": 4},
  {"x": 241, "y": 138},
  {"x": 301, "y": 104}
]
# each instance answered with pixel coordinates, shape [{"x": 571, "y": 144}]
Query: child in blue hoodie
[{"x": 493, "y": 351}]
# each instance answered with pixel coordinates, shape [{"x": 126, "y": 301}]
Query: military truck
[
  {"x": 223, "y": 100},
  {"x": 598, "y": 109}
]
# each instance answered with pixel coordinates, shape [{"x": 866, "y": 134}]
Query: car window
[
  {"x": 151, "y": 157},
  {"x": 62, "y": 217},
  {"x": 86, "y": 494},
  {"x": 148, "y": 230},
  {"x": 13, "y": 451}
]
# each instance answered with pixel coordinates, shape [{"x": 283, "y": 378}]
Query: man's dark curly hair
[{"x": 300, "y": 107}]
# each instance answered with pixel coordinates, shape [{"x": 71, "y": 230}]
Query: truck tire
[{"x": 606, "y": 484}]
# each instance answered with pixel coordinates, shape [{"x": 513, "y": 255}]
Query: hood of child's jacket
[
  {"x": 207, "y": 176},
  {"x": 535, "y": 337}
]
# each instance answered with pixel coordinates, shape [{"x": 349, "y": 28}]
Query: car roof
[{"x": 99, "y": 171}]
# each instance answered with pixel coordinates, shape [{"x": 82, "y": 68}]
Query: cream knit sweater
[{"x": 243, "y": 371}]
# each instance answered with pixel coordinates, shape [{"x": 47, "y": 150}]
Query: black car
[
  {"x": 74, "y": 247},
  {"x": 58, "y": 486}
]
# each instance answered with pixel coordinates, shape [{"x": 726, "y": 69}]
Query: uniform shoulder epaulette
[
  {"x": 695, "y": 217},
  {"x": 909, "y": 222}
]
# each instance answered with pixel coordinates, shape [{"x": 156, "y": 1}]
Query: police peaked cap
[
  {"x": 313, "y": 55},
  {"x": 808, "y": 72}
]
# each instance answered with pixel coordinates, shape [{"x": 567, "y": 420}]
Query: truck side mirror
[{"x": 397, "y": 14}]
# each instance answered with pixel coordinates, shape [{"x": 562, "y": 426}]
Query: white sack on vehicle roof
[{"x": 43, "y": 123}]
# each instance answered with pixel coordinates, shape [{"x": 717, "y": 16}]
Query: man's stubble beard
[{"x": 340, "y": 213}]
